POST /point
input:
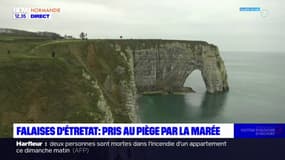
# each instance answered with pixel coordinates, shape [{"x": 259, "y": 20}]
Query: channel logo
[
  {"x": 263, "y": 12},
  {"x": 249, "y": 9},
  {"x": 34, "y": 13},
  {"x": 20, "y": 13}
]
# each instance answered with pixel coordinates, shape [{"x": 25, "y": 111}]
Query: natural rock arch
[
  {"x": 195, "y": 81},
  {"x": 166, "y": 65}
]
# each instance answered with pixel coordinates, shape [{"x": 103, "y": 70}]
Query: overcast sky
[{"x": 216, "y": 21}]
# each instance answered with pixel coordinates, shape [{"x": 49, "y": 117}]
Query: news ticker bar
[
  {"x": 142, "y": 149},
  {"x": 148, "y": 130}
]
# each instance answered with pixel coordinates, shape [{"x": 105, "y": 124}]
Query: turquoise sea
[{"x": 257, "y": 86}]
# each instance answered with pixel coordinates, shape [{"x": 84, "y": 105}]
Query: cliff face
[
  {"x": 85, "y": 81},
  {"x": 166, "y": 65},
  {"x": 108, "y": 71},
  {"x": 97, "y": 80}
]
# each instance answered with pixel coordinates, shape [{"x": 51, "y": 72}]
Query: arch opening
[{"x": 195, "y": 81}]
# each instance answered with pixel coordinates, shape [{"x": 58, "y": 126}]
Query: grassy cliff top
[
  {"x": 15, "y": 34},
  {"x": 41, "y": 78}
]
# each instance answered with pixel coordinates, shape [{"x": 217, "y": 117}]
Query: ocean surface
[{"x": 257, "y": 94}]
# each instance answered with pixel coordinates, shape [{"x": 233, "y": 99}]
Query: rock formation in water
[{"x": 165, "y": 65}]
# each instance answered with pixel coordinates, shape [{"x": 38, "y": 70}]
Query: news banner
[{"x": 140, "y": 141}]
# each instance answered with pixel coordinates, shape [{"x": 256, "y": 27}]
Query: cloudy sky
[{"x": 216, "y": 21}]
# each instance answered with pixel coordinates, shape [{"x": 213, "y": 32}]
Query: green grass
[
  {"x": 34, "y": 87},
  {"x": 44, "y": 90}
]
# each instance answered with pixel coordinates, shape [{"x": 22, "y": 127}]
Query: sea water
[{"x": 257, "y": 85}]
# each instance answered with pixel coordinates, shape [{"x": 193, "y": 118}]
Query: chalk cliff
[
  {"x": 96, "y": 80},
  {"x": 164, "y": 65}
]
